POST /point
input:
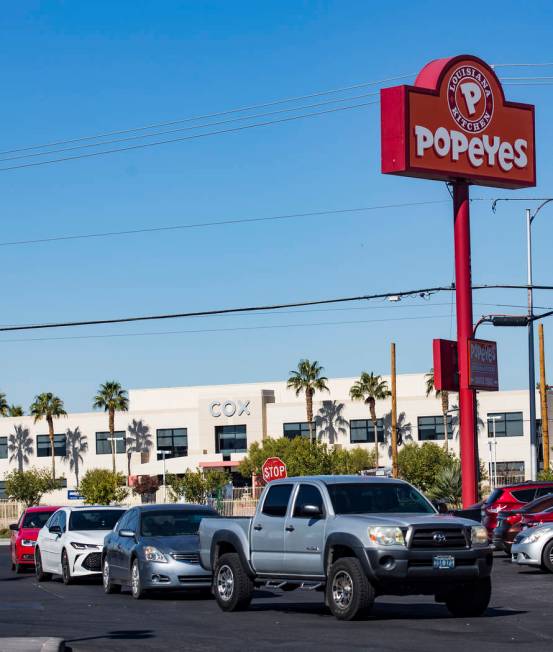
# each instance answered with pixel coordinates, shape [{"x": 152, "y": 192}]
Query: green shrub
[
  {"x": 103, "y": 487},
  {"x": 196, "y": 486},
  {"x": 29, "y": 486},
  {"x": 420, "y": 465}
]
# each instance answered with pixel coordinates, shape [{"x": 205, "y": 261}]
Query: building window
[
  {"x": 230, "y": 439},
  {"x": 3, "y": 490},
  {"x": 103, "y": 442},
  {"x": 507, "y": 424},
  {"x": 3, "y": 448},
  {"x": 301, "y": 429},
  {"x": 361, "y": 431},
  {"x": 43, "y": 448},
  {"x": 432, "y": 428},
  {"x": 172, "y": 440}
]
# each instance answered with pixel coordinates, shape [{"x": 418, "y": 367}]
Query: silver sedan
[{"x": 534, "y": 547}]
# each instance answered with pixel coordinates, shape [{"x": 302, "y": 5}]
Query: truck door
[
  {"x": 267, "y": 535},
  {"x": 304, "y": 533}
]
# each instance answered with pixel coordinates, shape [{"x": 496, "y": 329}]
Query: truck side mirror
[
  {"x": 441, "y": 507},
  {"x": 311, "y": 510}
]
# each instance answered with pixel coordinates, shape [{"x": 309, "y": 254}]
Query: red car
[
  {"x": 511, "y": 497},
  {"x": 24, "y": 534},
  {"x": 531, "y": 520}
]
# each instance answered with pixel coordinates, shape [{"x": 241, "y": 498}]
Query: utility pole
[
  {"x": 531, "y": 370},
  {"x": 543, "y": 402},
  {"x": 394, "y": 413}
]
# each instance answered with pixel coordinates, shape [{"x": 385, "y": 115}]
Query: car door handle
[
  {"x": 289, "y": 528},
  {"x": 258, "y": 527}
]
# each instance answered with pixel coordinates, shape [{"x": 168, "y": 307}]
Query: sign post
[{"x": 454, "y": 125}]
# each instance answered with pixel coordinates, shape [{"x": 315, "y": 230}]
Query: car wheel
[
  {"x": 136, "y": 582},
  {"x": 470, "y": 600},
  {"x": 40, "y": 575},
  {"x": 547, "y": 557},
  {"x": 349, "y": 594},
  {"x": 232, "y": 586},
  {"x": 65, "y": 570},
  {"x": 109, "y": 586}
]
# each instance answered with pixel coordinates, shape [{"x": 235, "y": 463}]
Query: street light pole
[{"x": 531, "y": 365}]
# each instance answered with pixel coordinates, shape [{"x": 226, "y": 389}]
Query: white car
[{"x": 70, "y": 544}]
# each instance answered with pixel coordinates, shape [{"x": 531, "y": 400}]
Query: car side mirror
[
  {"x": 311, "y": 510},
  {"x": 129, "y": 534},
  {"x": 441, "y": 507},
  {"x": 55, "y": 529},
  {"x": 13, "y": 527}
]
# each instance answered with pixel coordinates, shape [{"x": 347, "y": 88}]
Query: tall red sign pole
[
  {"x": 455, "y": 125},
  {"x": 463, "y": 292}
]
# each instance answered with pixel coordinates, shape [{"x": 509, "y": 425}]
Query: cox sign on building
[{"x": 455, "y": 123}]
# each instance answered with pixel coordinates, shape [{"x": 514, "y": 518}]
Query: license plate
[{"x": 443, "y": 561}]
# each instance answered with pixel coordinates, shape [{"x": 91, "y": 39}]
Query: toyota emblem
[{"x": 439, "y": 538}]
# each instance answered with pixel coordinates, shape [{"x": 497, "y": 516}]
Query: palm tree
[
  {"x": 139, "y": 440},
  {"x": 444, "y": 396},
  {"x": 369, "y": 389},
  {"x": 48, "y": 406},
  {"x": 15, "y": 411},
  {"x": 307, "y": 379},
  {"x": 111, "y": 398},
  {"x": 20, "y": 445},
  {"x": 76, "y": 445},
  {"x": 3, "y": 405}
]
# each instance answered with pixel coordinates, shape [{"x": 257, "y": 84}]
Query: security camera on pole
[{"x": 454, "y": 125}]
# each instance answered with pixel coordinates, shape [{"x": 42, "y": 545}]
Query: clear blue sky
[{"x": 78, "y": 68}]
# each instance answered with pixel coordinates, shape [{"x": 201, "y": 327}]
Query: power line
[
  {"x": 517, "y": 65},
  {"x": 207, "y": 115},
  {"x": 184, "y": 138},
  {"x": 197, "y": 225},
  {"x": 422, "y": 292}
]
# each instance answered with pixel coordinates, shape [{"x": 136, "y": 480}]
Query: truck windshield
[{"x": 377, "y": 498}]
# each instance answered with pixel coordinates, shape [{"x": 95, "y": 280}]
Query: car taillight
[{"x": 512, "y": 519}]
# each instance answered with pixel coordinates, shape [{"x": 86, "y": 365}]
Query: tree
[
  {"x": 15, "y": 411},
  {"x": 4, "y": 407},
  {"x": 76, "y": 445},
  {"x": 20, "y": 446},
  {"x": 444, "y": 396},
  {"x": 103, "y": 487},
  {"x": 139, "y": 440},
  {"x": 196, "y": 486},
  {"x": 369, "y": 389},
  {"x": 420, "y": 465},
  {"x": 29, "y": 486},
  {"x": 307, "y": 379},
  {"x": 48, "y": 406},
  {"x": 146, "y": 486},
  {"x": 111, "y": 398}
]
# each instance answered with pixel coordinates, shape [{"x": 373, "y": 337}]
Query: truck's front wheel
[
  {"x": 232, "y": 586},
  {"x": 470, "y": 600},
  {"x": 349, "y": 594}
]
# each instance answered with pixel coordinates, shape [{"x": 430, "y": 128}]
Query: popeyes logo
[{"x": 456, "y": 124}]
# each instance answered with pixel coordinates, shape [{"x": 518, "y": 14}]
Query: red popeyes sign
[
  {"x": 273, "y": 469},
  {"x": 455, "y": 123},
  {"x": 483, "y": 365}
]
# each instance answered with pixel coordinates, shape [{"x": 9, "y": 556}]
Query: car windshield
[
  {"x": 95, "y": 519},
  {"x": 377, "y": 498},
  {"x": 173, "y": 522},
  {"x": 36, "y": 519}
]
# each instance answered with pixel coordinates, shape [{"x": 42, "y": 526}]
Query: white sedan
[{"x": 70, "y": 544}]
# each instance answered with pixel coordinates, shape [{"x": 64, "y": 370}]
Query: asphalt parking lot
[{"x": 520, "y": 617}]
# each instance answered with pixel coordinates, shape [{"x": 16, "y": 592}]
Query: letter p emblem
[{"x": 472, "y": 94}]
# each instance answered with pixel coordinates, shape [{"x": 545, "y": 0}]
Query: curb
[{"x": 32, "y": 644}]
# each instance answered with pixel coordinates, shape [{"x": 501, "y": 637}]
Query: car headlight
[
  {"x": 153, "y": 554},
  {"x": 28, "y": 542},
  {"x": 479, "y": 535},
  {"x": 83, "y": 546},
  {"x": 386, "y": 536},
  {"x": 535, "y": 536}
]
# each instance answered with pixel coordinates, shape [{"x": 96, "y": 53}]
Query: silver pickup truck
[{"x": 354, "y": 538}]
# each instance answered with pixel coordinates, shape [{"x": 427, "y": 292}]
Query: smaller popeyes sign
[
  {"x": 455, "y": 123},
  {"x": 483, "y": 365}
]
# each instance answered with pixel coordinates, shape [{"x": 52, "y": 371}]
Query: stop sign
[{"x": 273, "y": 469}]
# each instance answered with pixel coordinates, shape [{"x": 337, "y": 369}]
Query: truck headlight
[
  {"x": 386, "y": 536},
  {"x": 153, "y": 554},
  {"x": 535, "y": 536},
  {"x": 479, "y": 535}
]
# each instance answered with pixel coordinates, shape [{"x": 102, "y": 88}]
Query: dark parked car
[
  {"x": 509, "y": 522},
  {"x": 511, "y": 497},
  {"x": 156, "y": 547}
]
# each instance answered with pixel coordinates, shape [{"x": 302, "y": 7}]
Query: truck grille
[
  {"x": 93, "y": 562},
  {"x": 426, "y": 537},
  {"x": 188, "y": 557}
]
